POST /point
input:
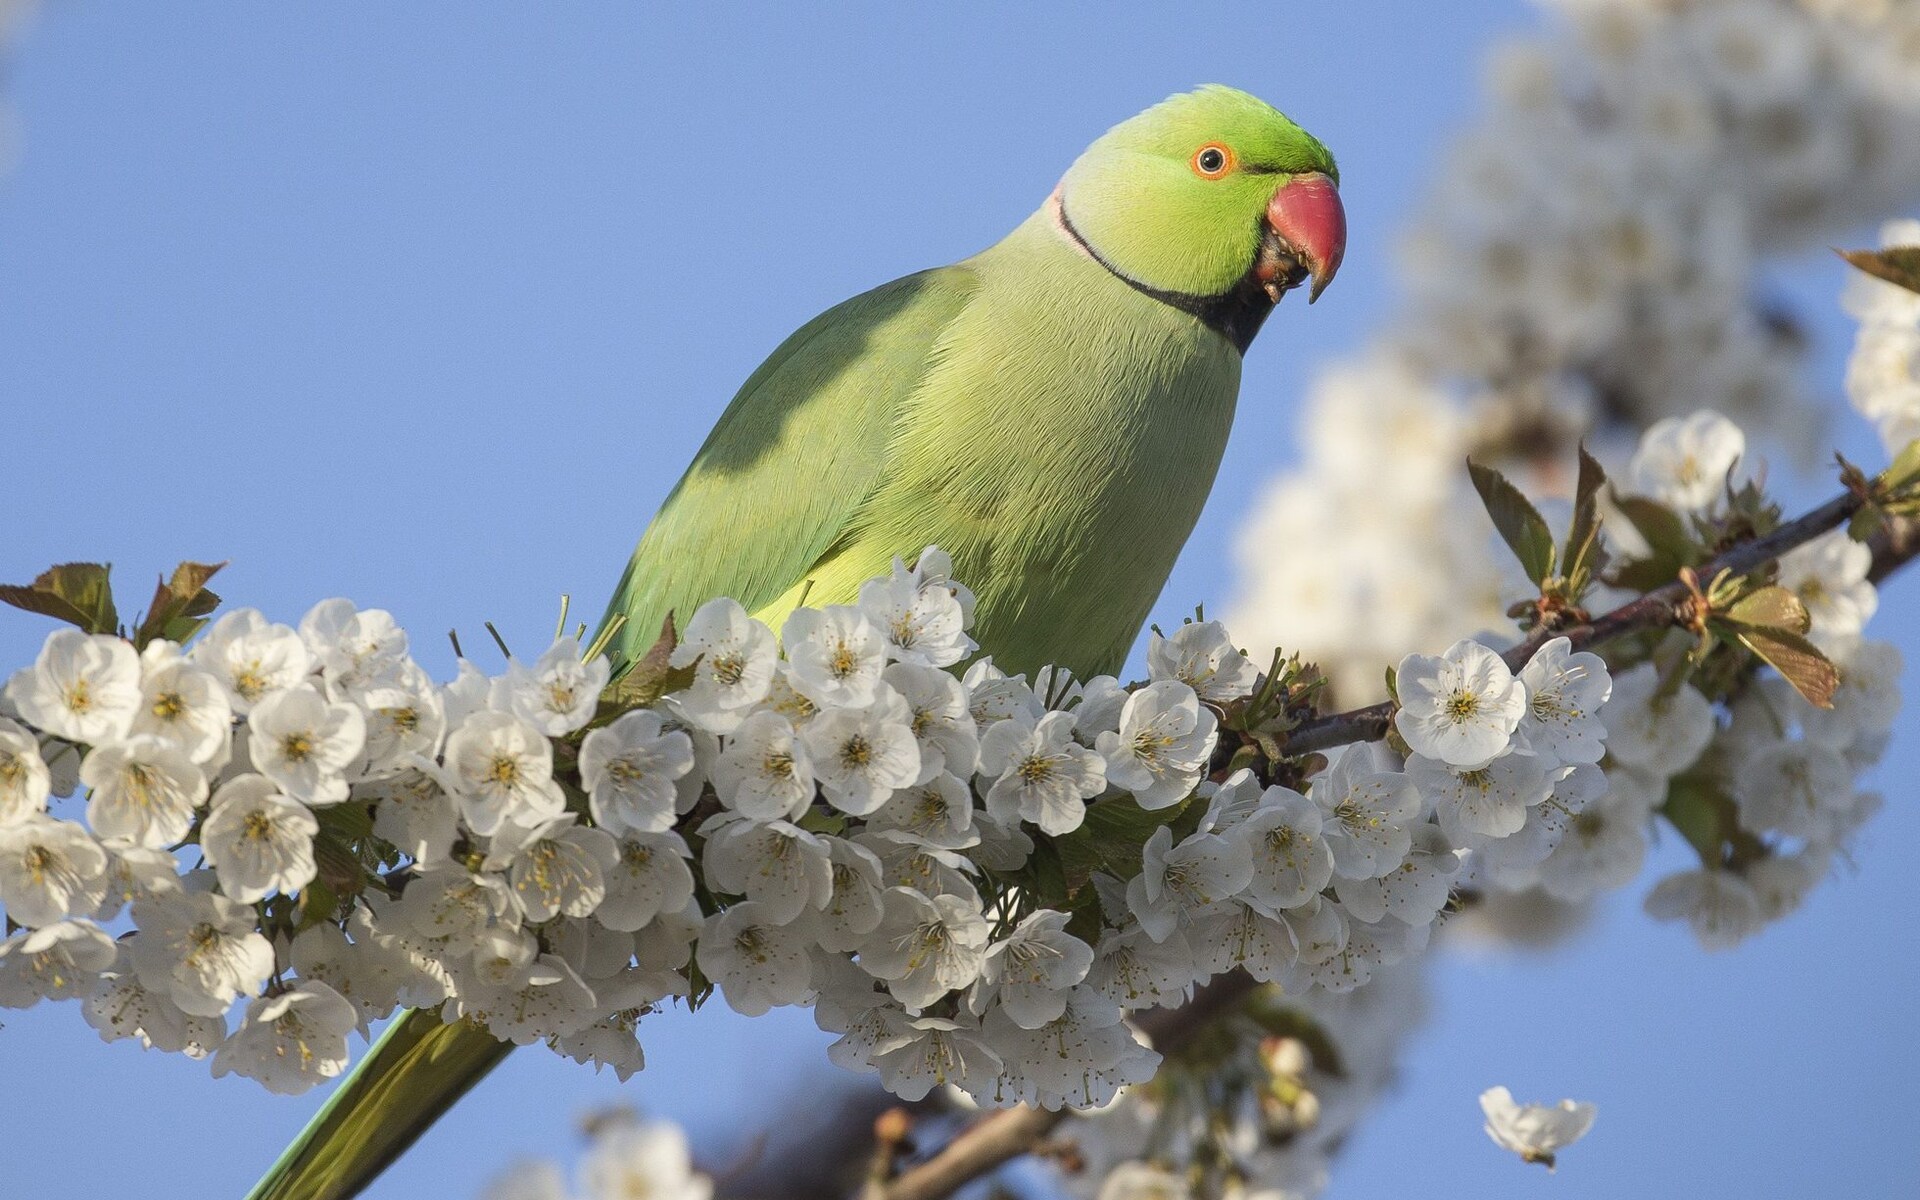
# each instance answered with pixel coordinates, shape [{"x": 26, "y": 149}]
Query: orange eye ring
[{"x": 1213, "y": 160}]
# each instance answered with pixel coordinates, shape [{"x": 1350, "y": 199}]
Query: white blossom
[
  {"x": 60, "y": 961},
  {"x": 1202, "y": 656},
  {"x": 924, "y": 622},
  {"x": 766, "y": 771},
  {"x": 414, "y": 812},
  {"x": 406, "y": 722},
  {"x": 1536, "y": 1132},
  {"x": 1161, "y": 748},
  {"x": 199, "y": 949},
  {"x": 82, "y": 687},
  {"x": 1685, "y": 462},
  {"x": 1799, "y": 788},
  {"x": 735, "y": 656},
  {"x": 501, "y": 772},
  {"x": 1138, "y": 972},
  {"x": 930, "y": 1052},
  {"x": 1186, "y": 880},
  {"x": 558, "y": 693},
  {"x": 1029, "y": 971},
  {"x": 133, "y": 872},
  {"x": 1291, "y": 859},
  {"x": 144, "y": 791},
  {"x": 938, "y": 813},
  {"x": 1413, "y": 892},
  {"x": 1565, "y": 691},
  {"x": 1461, "y": 707},
  {"x": 650, "y": 877},
  {"x": 366, "y": 974},
  {"x": 925, "y": 946},
  {"x": 1721, "y": 907},
  {"x": 853, "y": 909},
  {"x": 121, "y": 1006},
  {"x": 182, "y": 704},
  {"x": 50, "y": 870},
  {"x": 757, "y": 958},
  {"x": 629, "y": 767},
  {"x": 454, "y": 907},
  {"x": 544, "y": 999},
  {"x": 1490, "y": 802},
  {"x": 257, "y": 840},
  {"x": 642, "y": 1161},
  {"x": 554, "y": 867},
  {"x": 290, "y": 1040},
  {"x": 835, "y": 655},
  {"x": 25, "y": 781},
  {"x": 355, "y": 648},
  {"x": 1241, "y": 934},
  {"x": 860, "y": 755},
  {"x": 1366, "y": 812},
  {"x": 783, "y": 867},
  {"x": 1829, "y": 575},
  {"x": 306, "y": 743},
  {"x": 251, "y": 657},
  {"x": 942, "y": 724},
  {"x": 993, "y": 695},
  {"x": 1659, "y": 732},
  {"x": 1038, "y": 772}
]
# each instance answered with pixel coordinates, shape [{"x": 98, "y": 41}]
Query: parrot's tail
[{"x": 412, "y": 1075}]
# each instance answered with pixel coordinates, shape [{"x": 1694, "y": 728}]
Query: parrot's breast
[{"x": 1060, "y": 448}]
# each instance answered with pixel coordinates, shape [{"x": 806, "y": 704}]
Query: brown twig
[{"x": 1006, "y": 1135}]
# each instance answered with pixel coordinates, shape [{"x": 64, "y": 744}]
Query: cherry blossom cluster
[
  {"x": 1591, "y": 255},
  {"x": 971, "y": 877},
  {"x": 1595, "y": 272},
  {"x": 1883, "y": 374}
]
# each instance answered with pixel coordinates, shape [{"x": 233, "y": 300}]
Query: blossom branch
[
  {"x": 1003, "y": 1136},
  {"x": 1664, "y": 606}
]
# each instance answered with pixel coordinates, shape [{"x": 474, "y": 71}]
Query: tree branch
[{"x": 1002, "y": 1136}]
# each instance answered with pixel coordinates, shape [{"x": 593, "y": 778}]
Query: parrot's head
[{"x": 1211, "y": 193}]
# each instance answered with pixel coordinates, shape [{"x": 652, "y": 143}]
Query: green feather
[{"x": 785, "y": 470}]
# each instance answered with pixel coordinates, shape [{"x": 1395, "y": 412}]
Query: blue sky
[{"x": 430, "y": 307}]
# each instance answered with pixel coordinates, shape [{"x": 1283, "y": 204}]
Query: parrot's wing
[{"x": 790, "y": 462}]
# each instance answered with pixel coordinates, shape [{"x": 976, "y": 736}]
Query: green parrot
[{"x": 1050, "y": 412}]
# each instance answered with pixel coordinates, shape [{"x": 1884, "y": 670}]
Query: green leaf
[
  {"x": 1044, "y": 877},
  {"x": 1670, "y": 545},
  {"x": 1799, "y": 662},
  {"x": 1584, "y": 557},
  {"x": 1521, "y": 526},
  {"x": 1699, "y": 810},
  {"x": 1772, "y": 608},
  {"x": 1110, "y": 840},
  {"x": 77, "y": 593},
  {"x": 1904, "y": 471},
  {"x": 1898, "y": 265},
  {"x": 654, "y": 675},
  {"x": 318, "y": 903},
  {"x": 1865, "y": 523},
  {"x": 180, "y": 605}
]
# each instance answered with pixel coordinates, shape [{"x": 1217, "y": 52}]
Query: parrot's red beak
[{"x": 1310, "y": 226}]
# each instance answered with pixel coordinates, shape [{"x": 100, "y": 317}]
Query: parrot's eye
[{"x": 1212, "y": 161}]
